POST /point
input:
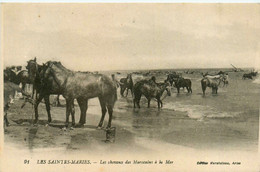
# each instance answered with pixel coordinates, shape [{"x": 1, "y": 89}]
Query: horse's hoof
[
  {"x": 47, "y": 125},
  {"x": 99, "y": 128},
  {"x": 79, "y": 125},
  {"x": 71, "y": 128},
  {"x": 64, "y": 129}
]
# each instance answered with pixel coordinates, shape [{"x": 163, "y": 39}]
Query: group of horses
[
  {"x": 52, "y": 78},
  {"x": 153, "y": 90}
]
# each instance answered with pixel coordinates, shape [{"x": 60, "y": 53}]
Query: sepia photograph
[{"x": 130, "y": 87}]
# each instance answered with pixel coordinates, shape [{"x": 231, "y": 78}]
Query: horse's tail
[
  {"x": 108, "y": 88},
  {"x": 203, "y": 85},
  {"x": 115, "y": 95}
]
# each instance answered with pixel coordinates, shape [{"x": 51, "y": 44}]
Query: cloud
[{"x": 128, "y": 36}]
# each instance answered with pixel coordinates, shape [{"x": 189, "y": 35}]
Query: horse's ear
[{"x": 35, "y": 59}]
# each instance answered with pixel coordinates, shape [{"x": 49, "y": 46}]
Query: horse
[
  {"x": 81, "y": 86},
  {"x": 172, "y": 77},
  {"x": 34, "y": 70},
  {"x": 150, "y": 90},
  {"x": 181, "y": 82},
  {"x": 126, "y": 84},
  {"x": 210, "y": 82},
  {"x": 247, "y": 75},
  {"x": 9, "y": 93}
]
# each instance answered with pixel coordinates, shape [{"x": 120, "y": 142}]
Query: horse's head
[
  {"x": 32, "y": 68},
  {"x": 46, "y": 70}
]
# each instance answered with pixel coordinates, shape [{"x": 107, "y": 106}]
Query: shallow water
[{"x": 228, "y": 120}]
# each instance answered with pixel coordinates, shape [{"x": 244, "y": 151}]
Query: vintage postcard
[{"x": 130, "y": 87}]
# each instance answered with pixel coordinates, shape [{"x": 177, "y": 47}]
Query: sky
[{"x": 89, "y": 36}]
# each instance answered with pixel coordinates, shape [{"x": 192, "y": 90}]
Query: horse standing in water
[
  {"x": 126, "y": 84},
  {"x": 150, "y": 90},
  {"x": 34, "y": 70},
  {"x": 172, "y": 77},
  {"x": 81, "y": 86},
  {"x": 210, "y": 81},
  {"x": 181, "y": 82}
]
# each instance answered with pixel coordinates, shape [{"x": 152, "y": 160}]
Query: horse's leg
[
  {"x": 83, "y": 105},
  {"x": 122, "y": 90},
  {"x": 158, "y": 103},
  {"x": 6, "y": 120},
  {"x": 137, "y": 100},
  {"x": 131, "y": 89},
  {"x": 23, "y": 86},
  {"x": 110, "y": 112},
  {"x": 204, "y": 89},
  {"x": 126, "y": 92},
  {"x": 36, "y": 107},
  {"x": 68, "y": 110},
  {"x": 104, "y": 110},
  {"x": 73, "y": 113},
  {"x": 178, "y": 88},
  {"x": 148, "y": 99},
  {"x": 33, "y": 91},
  {"x": 134, "y": 101},
  {"x": 47, "y": 105},
  {"x": 110, "y": 105}
]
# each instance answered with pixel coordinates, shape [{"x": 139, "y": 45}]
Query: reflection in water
[
  {"x": 149, "y": 122},
  {"x": 32, "y": 133}
]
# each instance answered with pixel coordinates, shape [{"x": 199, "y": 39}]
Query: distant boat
[{"x": 235, "y": 69}]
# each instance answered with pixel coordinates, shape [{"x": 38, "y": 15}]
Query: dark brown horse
[
  {"x": 34, "y": 70},
  {"x": 181, "y": 82},
  {"x": 249, "y": 75},
  {"x": 172, "y": 77},
  {"x": 150, "y": 90},
  {"x": 81, "y": 86},
  {"x": 126, "y": 84}
]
